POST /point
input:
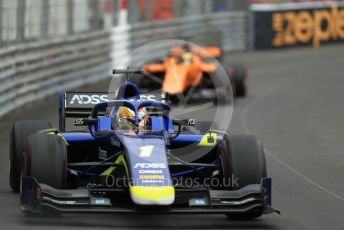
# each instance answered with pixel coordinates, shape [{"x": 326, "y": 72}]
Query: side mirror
[{"x": 178, "y": 125}]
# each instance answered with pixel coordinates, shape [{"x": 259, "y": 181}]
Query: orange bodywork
[
  {"x": 208, "y": 51},
  {"x": 204, "y": 51},
  {"x": 181, "y": 76}
]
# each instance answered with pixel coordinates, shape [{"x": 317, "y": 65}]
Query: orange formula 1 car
[{"x": 186, "y": 68}]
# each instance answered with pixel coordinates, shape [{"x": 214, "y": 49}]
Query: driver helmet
[
  {"x": 186, "y": 55},
  {"x": 126, "y": 117}
]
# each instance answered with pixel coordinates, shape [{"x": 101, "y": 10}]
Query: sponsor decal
[
  {"x": 316, "y": 27},
  {"x": 237, "y": 202},
  {"x": 150, "y": 171},
  {"x": 192, "y": 122},
  {"x": 151, "y": 182},
  {"x": 94, "y": 185},
  {"x": 198, "y": 202},
  {"x": 100, "y": 202},
  {"x": 84, "y": 99},
  {"x": 62, "y": 202},
  {"x": 148, "y": 97},
  {"x": 150, "y": 165},
  {"x": 152, "y": 177},
  {"x": 297, "y": 27},
  {"x": 93, "y": 99},
  {"x": 79, "y": 122},
  {"x": 146, "y": 151}
]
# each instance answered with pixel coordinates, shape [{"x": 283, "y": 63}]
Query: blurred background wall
[
  {"x": 29, "y": 20},
  {"x": 51, "y": 45}
]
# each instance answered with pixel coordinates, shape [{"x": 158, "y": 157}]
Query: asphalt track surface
[{"x": 295, "y": 105}]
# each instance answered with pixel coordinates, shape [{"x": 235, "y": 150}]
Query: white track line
[
  {"x": 290, "y": 168},
  {"x": 310, "y": 181}
]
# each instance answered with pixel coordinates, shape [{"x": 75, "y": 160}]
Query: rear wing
[
  {"x": 80, "y": 104},
  {"x": 204, "y": 51}
]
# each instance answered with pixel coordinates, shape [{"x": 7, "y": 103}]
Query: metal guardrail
[
  {"x": 229, "y": 30},
  {"x": 34, "y": 70}
]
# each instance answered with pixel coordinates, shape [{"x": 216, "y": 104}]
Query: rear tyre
[
  {"x": 238, "y": 77},
  {"x": 243, "y": 157},
  {"x": 46, "y": 160},
  {"x": 21, "y": 130}
]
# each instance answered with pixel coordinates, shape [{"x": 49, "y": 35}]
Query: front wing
[{"x": 39, "y": 198}]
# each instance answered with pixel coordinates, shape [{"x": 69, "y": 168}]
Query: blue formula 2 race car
[{"x": 129, "y": 156}]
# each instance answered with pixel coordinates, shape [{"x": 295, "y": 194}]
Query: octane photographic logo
[
  {"x": 194, "y": 81},
  {"x": 156, "y": 177}
]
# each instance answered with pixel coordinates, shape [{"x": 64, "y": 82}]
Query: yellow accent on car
[
  {"x": 208, "y": 140},
  {"x": 120, "y": 160},
  {"x": 57, "y": 134},
  {"x": 108, "y": 171},
  {"x": 152, "y": 192}
]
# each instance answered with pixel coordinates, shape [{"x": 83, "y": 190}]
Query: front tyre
[
  {"x": 21, "y": 130},
  {"x": 243, "y": 158},
  {"x": 46, "y": 160}
]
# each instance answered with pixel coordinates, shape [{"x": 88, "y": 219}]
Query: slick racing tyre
[
  {"x": 46, "y": 159},
  {"x": 21, "y": 130},
  {"x": 243, "y": 157},
  {"x": 238, "y": 75}
]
